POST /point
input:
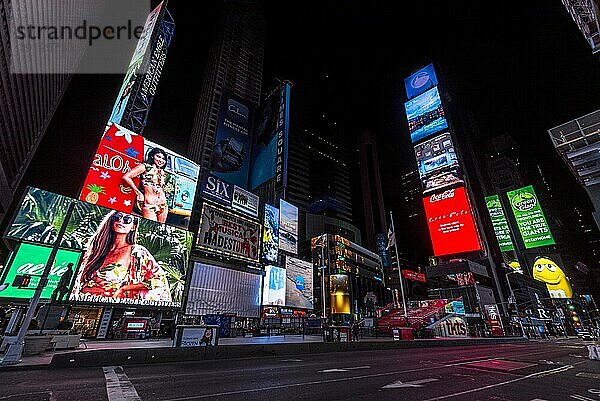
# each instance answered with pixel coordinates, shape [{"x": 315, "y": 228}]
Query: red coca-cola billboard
[{"x": 451, "y": 223}]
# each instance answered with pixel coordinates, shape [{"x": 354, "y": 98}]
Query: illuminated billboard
[
  {"x": 225, "y": 233},
  {"x": 425, "y": 115},
  {"x": 451, "y": 223},
  {"x": 270, "y": 241},
  {"x": 230, "y": 195},
  {"x": 339, "y": 293},
  {"x": 420, "y": 81},
  {"x": 39, "y": 217},
  {"x": 141, "y": 79},
  {"x": 288, "y": 227},
  {"x": 299, "y": 286},
  {"x": 127, "y": 259},
  {"x": 269, "y": 151},
  {"x": 219, "y": 290},
  {"x": 233, "y": 141},
  {"x": 437, "y": 163},
  {"x": 274, "y": 286},
  {"x": 134, "y": 175},
  {"x": 530, "y": 217},
  {"x": 31, "y": 260},
  {"x": 499, "y": 223},
  {"x": 549, "y": 269}
]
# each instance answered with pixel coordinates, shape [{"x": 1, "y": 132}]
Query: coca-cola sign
[
  {"x": 451, "y": 223},
  {"x": 31, "y": 259},
  {"x": 441, "y": 196}
]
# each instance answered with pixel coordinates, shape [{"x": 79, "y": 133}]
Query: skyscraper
[
  {"x": 235, "y": 65},
  {"x": 374, "y": 209},
  {"x": 30, "y": 100}
]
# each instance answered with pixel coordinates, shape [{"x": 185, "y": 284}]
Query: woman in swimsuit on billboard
[{"x": 155, "y": 182}]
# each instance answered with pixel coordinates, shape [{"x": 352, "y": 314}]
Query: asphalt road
[{"x": 553, "y": 371}]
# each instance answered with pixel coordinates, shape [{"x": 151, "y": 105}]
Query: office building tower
[
  {"x": 373, "y": 206},
  {"x": 30, "y": 100},
  {"x": 577, "y": 141},
  {"x": 234, "y": 65}
]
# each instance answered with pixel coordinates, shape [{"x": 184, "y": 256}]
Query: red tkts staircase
[{"x": 420, "y": 314}]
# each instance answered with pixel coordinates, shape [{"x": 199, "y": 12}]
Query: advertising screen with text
[{"x": 451, "y": 223}]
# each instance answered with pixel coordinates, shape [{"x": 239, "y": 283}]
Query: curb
[{"x": 98, "y": 358}]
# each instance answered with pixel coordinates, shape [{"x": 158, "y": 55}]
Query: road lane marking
[
  {"x": 533, "y": 375},
  {"x": 344, "y": 369},
  {"x": 118, "y": 385},
  {"x": 291, "y": 360},
  {"x": 581, "y": 397},
  {"x": 412, "y": 384},
  {"x": 588, "y": 375}
]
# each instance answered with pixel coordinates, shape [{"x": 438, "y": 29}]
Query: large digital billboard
[
  {"x": 420, "y": 81},
  {"x": 134, "y": 175},
  {"x": 274, "y": 284},
  {"x": 269, "y": 151},
  {"x": 39, "y": 217},
  {"x": 451, "y": 223},
  {"x": 425, "y": 115},
  {"x": 31, "y": 260},
  {"x": 288, "y": 227},
  {"x": 219, "y": 290},
  {"x": 141, "y": 79},
  {"x": 225, "y": 233},
  {"x": 339, "y": 293},
  {"x": 549, "y": 269},
  {"x": 437, "y": 163},
  {"x": 127, "y": 259},
  {"x": 270, "y": 241},
  {"x": 499, "y": 223},
  {"x": 530, "y": 217},
  {"x": 299, "y": 286},
  {"x": 233, "y": 141}
]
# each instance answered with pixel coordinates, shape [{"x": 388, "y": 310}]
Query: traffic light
[
  {"x": 574, "y": 316},
  {"x": 21, "y": 280}
]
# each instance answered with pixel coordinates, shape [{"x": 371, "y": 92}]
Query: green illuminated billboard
[
  {"x": 31, "y": 259},
  {"x": 499, "y": 223},
  {"x": 530, "y": 217}
]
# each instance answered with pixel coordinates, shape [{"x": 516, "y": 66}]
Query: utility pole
[{"x": 15, "y": 350}]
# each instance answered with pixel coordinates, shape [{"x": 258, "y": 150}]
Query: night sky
[{"x": 521, "y": 67}]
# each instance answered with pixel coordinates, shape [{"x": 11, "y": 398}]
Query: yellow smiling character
[{"x": 547, "y": 271}]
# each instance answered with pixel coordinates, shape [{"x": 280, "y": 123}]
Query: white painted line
[
  {"x": 291, "y": 360},
  {"x": 581, "y": 398},
  {"x": 118, "y": 385},
  {"x": 539, "y": 374},
  {"x": 344, "y": 369},
  {"x": 412, "y": 384},
  {"x": 588, "y": 375}
]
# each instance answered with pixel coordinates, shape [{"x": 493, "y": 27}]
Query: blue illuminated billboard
[
  {"x": 425, "y": 115},
  {"x": 233, "y": 141},
  {"x": 270, "y": 242},
  {"x": 269, "y": 151},
  {"x": 420, "y": 81}
]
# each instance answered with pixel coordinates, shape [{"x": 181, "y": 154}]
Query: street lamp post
[{"x": 512, "y": 295}]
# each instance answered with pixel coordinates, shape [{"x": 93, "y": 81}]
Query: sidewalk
[{"x": 162, "y": 349}]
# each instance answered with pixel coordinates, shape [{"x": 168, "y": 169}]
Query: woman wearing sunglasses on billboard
[
  {"x": 114, "y": 266},
  {"x": 155, "y": 182}
]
